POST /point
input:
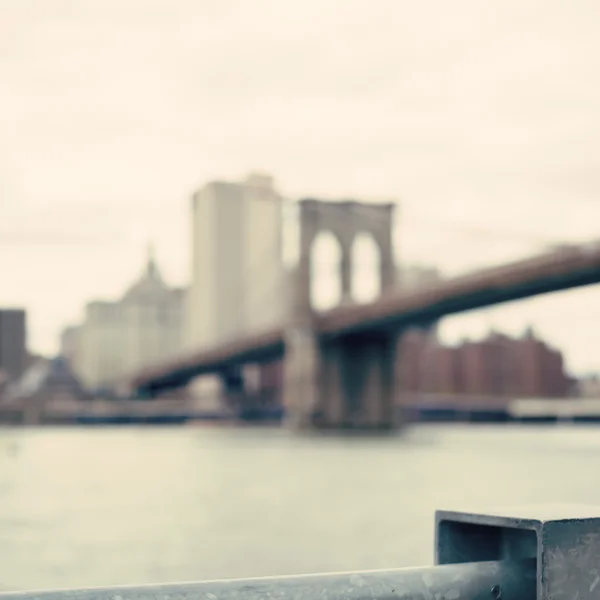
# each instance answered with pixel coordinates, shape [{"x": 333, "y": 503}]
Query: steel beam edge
[
  {"x": 474, "y": 581},
  {"x": 562, "y": 539}
]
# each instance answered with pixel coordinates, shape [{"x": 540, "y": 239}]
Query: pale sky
[{"x": 480, "y": 117}]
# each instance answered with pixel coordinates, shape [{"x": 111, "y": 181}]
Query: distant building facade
[
  {"x": 48, "y": 379},
  {"x": 496, "y": 366},
  {"x": 589, "y": 386},
  {"x": 410, "y": 278},
  {"x": 68, "y": 344},
  {"x": 237, "y": 266},
  {"x": 13, "y": 342},
  {"x": 116, "y": 339}
]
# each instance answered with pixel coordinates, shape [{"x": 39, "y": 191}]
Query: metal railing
[{"x": 532, "y": 554}]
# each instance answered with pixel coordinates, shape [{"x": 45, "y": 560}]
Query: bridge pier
[
  {"x": 233, "y": 385},
  {"x": 301, "y": 368},
  {"x": 358, "y": 382},
  {"x": 343, "y": 383}
]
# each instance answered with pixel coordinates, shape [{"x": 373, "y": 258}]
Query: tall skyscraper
[
  {"x": 13, "y": 342},
  {"x": 236, "y": 260}
]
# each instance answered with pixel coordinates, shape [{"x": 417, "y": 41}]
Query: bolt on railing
[{"x": 533, "y": 554}]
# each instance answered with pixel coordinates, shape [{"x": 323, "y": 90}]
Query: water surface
[{"x": 89, "y": 507}]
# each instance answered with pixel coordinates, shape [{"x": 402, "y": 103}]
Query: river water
[{"x": 90, "y": 507}]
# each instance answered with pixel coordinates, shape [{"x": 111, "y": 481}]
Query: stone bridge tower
[{"x": 347, "y": 381}]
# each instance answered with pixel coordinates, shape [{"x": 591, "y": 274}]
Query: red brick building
[
  {"x": 496, "y": 366},
  {"x": 411, "y": 360}
]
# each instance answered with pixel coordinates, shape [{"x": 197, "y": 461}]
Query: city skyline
[{"x": 477, "y": 117}]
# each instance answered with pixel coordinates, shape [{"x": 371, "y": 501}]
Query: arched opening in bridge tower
[
  {"x": 365, "y": 282},
  {"x": 326, "y": 273}
]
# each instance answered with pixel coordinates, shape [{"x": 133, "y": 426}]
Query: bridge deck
[{"x": 550, "y": 272}]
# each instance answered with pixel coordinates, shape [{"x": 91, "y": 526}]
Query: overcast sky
[{"x": 481, "y": 118}]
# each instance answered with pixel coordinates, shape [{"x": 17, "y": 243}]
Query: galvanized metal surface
[
  {"x": 477, "y": 581},
  {"x": 564, "y": 540}
]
